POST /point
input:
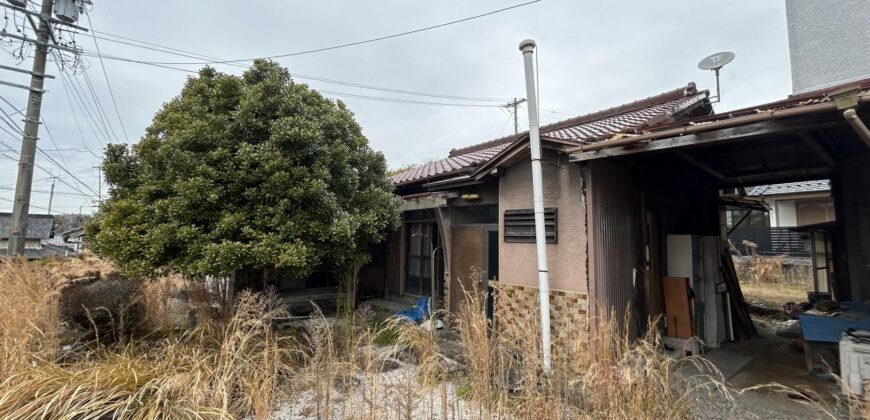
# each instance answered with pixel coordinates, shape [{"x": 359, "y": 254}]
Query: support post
[
  {"x": 51, "y": 196},
  {"x": 27, "y": 158},
  {"x": 528, "y": 49}
]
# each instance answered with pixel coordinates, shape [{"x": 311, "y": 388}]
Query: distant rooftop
[
  {"x": 789, "y": 188},
  {"x": 39, "y": 226}
]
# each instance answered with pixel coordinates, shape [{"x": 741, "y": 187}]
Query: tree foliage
[{"x": 245, "y": 173}]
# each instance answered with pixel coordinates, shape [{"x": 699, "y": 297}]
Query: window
[
  {"x": 418, "y": 262},
  {"x": 519, "y": 225},
  {"x": 475, "y": 215},
  {"x": 746, "y": 217}
]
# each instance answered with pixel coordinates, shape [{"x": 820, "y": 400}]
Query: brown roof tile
[{"x": 598, "y": 126}]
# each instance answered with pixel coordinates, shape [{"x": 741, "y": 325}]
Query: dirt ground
[{"x": 773, "y": 295}]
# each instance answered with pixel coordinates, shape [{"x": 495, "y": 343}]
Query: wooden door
[{"x": 468, "y": 258}]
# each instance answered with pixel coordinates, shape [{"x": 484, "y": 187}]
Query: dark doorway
[{"x": 492, "y": 240}]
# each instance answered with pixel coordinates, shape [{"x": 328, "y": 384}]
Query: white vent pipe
[{"x": 528, "y": 49}]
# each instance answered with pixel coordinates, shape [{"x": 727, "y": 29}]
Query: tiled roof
[
  {"x": 453, "y": 163},
  {"x": 629, "y": 118},
  {"x": 793, "y": 101},
  {"x": 789, "y": 188},
  {"x": 39, "y": 226}
]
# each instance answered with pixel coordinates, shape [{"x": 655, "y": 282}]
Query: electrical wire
[
  {"x": 183, "y": 53},
  {"x": 106, "y": 76},
  {"x": 405, "y": 101},
  {"x": 55, "y": 163},
  {"x": 352, "y": 44}
]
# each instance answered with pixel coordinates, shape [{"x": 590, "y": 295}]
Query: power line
[
  {"x": 18, "y": 130},
  {"x": 405, "y": 101},
  {"x": 67, "y": 194},
  {"x": 183, "y": 53},
  {"x": 55, "y": 163},
  {"x": 99, "y": 106},
  {"x": 106, "y": 76},
  {"x": 352, "y": 44},
  {"x": 33, "y": 206}
]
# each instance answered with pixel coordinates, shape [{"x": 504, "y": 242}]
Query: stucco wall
[
  {"x": 786, "y": 216},
  {"x": 828, "y": 41},
  {"x": 563, "y": 187}
]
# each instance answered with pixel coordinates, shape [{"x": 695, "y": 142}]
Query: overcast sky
[{"x": 592, "y": 55}]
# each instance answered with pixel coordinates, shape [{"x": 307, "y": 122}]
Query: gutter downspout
[
  {"x": 847, "y": 100},
  {"x": 858, "y": 125},
  {"x": 528, "y": 49}
]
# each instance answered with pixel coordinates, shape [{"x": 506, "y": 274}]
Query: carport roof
[
  {"x": 819, "y": 100},
  {"x": 634, "y": 117}
]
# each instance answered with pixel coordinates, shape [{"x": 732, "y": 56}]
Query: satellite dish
[{"x": 716, "y": 61}]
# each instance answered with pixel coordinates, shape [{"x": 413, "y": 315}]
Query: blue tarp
[
  {"x": 417, "y": 312},
  {"x": 829, "y": 329}
]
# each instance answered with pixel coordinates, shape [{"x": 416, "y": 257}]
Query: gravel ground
[{"x": 400, "y": 396}]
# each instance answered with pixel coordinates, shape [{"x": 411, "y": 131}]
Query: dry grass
[
  {"x": 602, "y": 374},
  {"x": 329, "y": 368},
  {"x": 772, "y": 295},
  {"x": 28, "y": 315},
  {"x": 214, "y": 371}
]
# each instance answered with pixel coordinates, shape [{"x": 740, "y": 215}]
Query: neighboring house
[
  {"x": 770, "y": 230},
  {"x": 75, "y": 239},
  {"x": 68, "y": 244},
  {"x": 796, "y": 203},
  {"x": 40, "y": 228}
]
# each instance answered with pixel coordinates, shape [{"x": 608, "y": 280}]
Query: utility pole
[
  {"x": 99, "y": 186},
  {"x": 51, "y": 195},
  {"x": 515, "y": 105},
  {"x": 27, "y": 158},
  {"x": 67, "y": 14}
]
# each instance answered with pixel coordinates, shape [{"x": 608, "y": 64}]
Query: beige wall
[{"x": 563, "y": 188}]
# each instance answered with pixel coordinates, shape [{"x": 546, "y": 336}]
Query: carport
[{"x": 644, "y": 186}]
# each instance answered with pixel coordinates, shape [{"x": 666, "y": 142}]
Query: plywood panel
[
  {"x": 467, "y": 250},
  {"x": 677, "y": 307}
]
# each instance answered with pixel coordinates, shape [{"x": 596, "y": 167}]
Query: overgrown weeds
[
  {"x": 775, "y": 270},
  {"x": 602, "y": 374},
  {"x": 213, "y": 371},
  {"x": 362, "y": 365}
]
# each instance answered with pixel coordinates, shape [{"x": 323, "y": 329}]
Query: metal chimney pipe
[{"x": 528, "y": 49}]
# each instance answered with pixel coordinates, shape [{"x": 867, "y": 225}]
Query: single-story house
[
  {"x": 622, "y": 188},
  {"x": 40, "y": 228},
  {"x": 468, "y": 217},
  {"x": 636, "y": 200}
]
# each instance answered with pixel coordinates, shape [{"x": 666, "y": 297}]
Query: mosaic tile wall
[{"x": 518, "y": 305}]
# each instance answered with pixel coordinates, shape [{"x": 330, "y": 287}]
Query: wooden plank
[{"x": 677, "y": 307}]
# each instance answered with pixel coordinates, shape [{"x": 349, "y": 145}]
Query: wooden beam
[
  {"x": 778, "y": 176},
  {"x": 706, "y": 138},
  {"x": 811, "y": 141},
  {"x": 701, "y": 165}
]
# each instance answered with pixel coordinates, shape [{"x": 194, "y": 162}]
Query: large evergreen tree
[{"x": 245, "y": 173}]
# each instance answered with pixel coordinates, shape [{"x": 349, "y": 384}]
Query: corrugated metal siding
[{"x": 615, "y": 238}]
